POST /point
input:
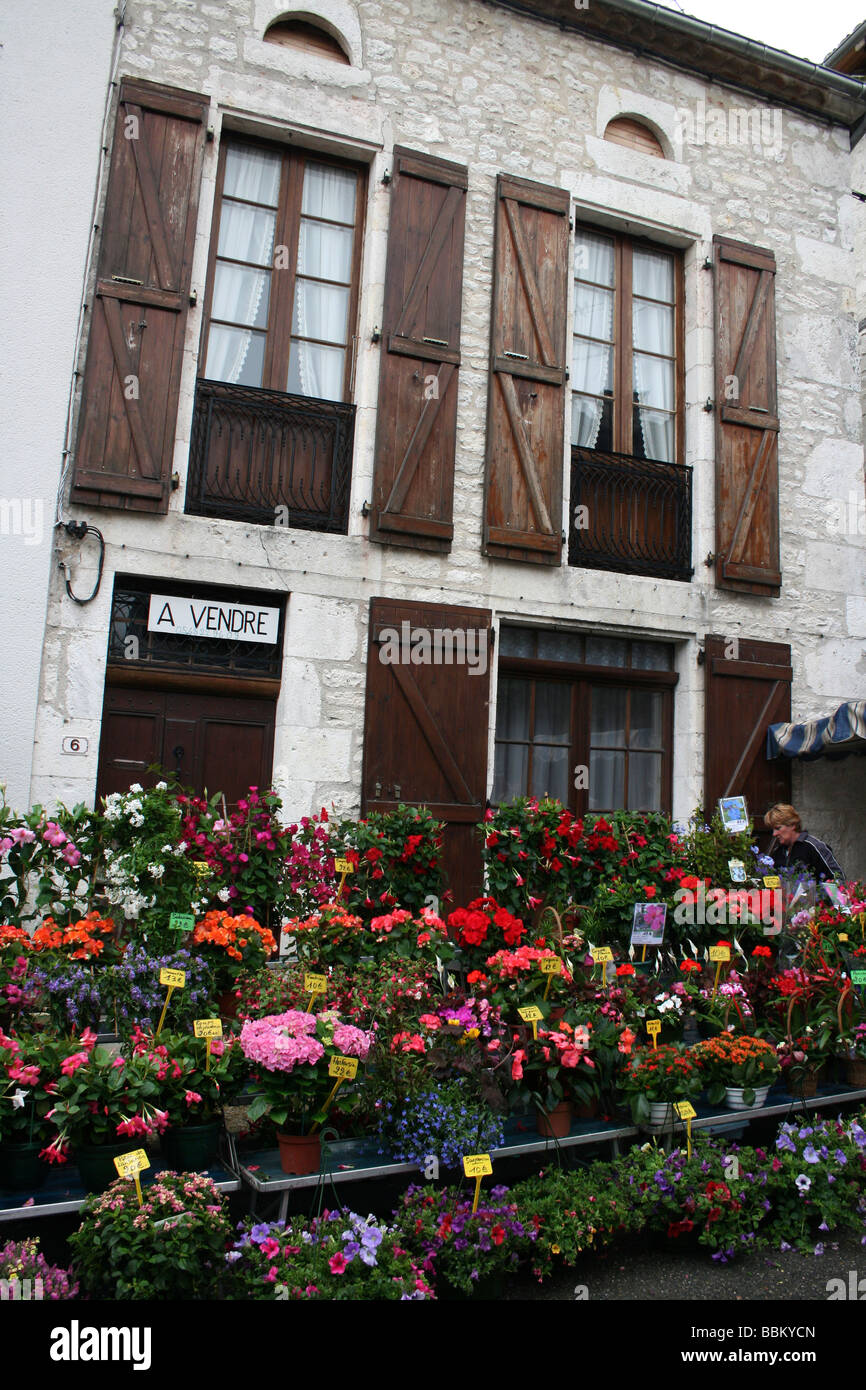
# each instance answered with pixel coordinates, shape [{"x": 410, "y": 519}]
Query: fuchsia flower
[{"x": 192, "y": 1098}]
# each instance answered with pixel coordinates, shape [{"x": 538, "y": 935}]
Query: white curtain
[
  {"x": 653, "y": 331},
  {"x": 320, "y": 311},
  {"x": 241, "y": 292},
  {"x": 591, "y": 363}
]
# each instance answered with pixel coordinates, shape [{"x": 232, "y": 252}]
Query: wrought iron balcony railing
[
  {"x": 270, "y": 458},
  {"x": 630, "y": 515}
]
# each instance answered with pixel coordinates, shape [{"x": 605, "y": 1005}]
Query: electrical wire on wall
[
  {"x": 119, "y": 17},
  {"x": 81, "y": 529}
]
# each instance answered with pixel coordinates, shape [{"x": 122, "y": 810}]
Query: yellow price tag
[
  {"x": 530, "y": 1013},
  {"x": 772, "y": 881},
  {"x": 601, "y": 954},
  {"x": 720, "y": 953},
  {"x": 129, "y": 1164},
  {"x": 346, "y": 1068},
  {"x": 685, "y": 1109},
  {"x": 201, "y": 868},
  {"x": 175, "y": 979},
  {"x": 208, "y": 1027},
  {"x": 315, "y": 984},
  {"x": 654, "y": 1027},
  {"x": 477, "y": 1165},
  {"x": 550, "y": 965},
  {"x": 843, "y": 936},
  {"x": 344, "y": 866}
]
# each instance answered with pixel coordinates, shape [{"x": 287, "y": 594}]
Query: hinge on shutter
[
  {"x": 709, "y": 405},
  {"x": 386, "y": 177},
  {"x": 193, "y": 298},
  {"x": 702, "y": 656},
  {"x": 708, "y": 264},
  {"x": 710, "y": 560},
  {"x": 126, "y": 280},
  {"x": 209, "y": 134},
  {"x": 366, "y": 508},
  {"x": 376, "y": 335}
]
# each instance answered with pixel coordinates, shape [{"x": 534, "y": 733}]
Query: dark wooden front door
[
  {"x": 210, "y": 743},
  {"x": 425, "y": 733}
]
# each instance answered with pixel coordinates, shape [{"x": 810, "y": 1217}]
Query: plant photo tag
[
  {"x": 737, "y": 870},
  {"x": 734, "y": 814},
  {"x": 648, "y": 924}
]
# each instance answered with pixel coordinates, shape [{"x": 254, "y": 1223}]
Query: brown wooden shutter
[
  {"x": 747, "y": 422},
  {"x": 526, "y": 410},
  {"x": 746, "y": 691},
  {"x": 416, "y": 428},
  {"x": 425, "y": 734},
  {"x": 138, "y": 316}
]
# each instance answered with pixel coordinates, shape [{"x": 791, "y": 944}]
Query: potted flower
[
  {"x": 337, "y": 1256},
  {"x": 400, "y": 933},
  {"x": 517, "y": 978},
  {"x": 291, "y": 1055},
  {"x": 464, "y": 1252},
  {"x": 483, "y": 928},
  {"x": 657, "y": 1077},
  {"x": 231, "y": 945},
  {"x": 853, "y": 1046},
  {"x": 194, "y": 1088},
  {"x": 738, "y": 1068},
  {"x": 554, "y": 1072},
  {"x": 104, "y": 1105},
  {"x": 28, "y": 1067},
  {"x": 331, "y": 936},
  {"x": 801, "y": 1056},
  {"x": 444, "y": 1120}
]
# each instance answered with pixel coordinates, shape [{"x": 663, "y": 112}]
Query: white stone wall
[
  {"x": 501, "y": 92},
  {"x": 54, "y": 71}
]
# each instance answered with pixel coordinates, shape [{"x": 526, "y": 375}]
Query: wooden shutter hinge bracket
[
  {"x": 710, "y": 560},
  {"x": 366, "y": 508},
  {"x": 702, "y": 656},
  {"x": 708, "y": 264},
  {"x": 376, "y": 335},
  {"x": 386, "y": 177},
  {"x": 709, "y": 405}
]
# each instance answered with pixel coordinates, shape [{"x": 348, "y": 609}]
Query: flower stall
[{"x": 198, "y": 998}]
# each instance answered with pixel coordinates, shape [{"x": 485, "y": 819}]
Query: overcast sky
[{"x": 809, "y": 30}]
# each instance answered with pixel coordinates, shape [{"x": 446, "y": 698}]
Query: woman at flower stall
[{"x": 791, "y": 844}]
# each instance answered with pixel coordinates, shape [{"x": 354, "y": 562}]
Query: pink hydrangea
[{"x": 351, "y": 1042}]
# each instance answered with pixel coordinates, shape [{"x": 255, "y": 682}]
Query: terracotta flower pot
[
  {"x": 300, "y": 1154},
  {"x": 557, "y": 1123}
]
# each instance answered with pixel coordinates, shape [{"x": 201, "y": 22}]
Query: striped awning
[{"x": 834, "y": 737}]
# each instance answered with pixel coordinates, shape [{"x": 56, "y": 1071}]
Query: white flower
[
  {"x": 224, "y": 894},
  {"x": 136, "y": 787},
  {"x": 137, "y": 821},
  {"x": 156, "y": 870},
  {"x": 160, "y": 787},
  {"x": 18, "y": 1097}
]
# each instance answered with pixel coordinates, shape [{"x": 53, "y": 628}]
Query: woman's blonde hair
[{"x": 782, "y": 814}]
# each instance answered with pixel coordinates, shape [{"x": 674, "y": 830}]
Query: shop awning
[{"x": 834, "y": 737}]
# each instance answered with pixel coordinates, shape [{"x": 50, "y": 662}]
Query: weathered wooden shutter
[
  {"x": 132, "y": 377},
  {"x": 416, "y": 426},
  {"x": 425, "y": 734},
  {"x": 747, "y": 421},
  {"x": 748, "y": 687},
  {"x": 526, "y": 410}
]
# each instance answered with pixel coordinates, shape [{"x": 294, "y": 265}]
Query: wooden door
[
  {"x": 416, "y": 423},
  {"x": 747, "y": 689},
  {"x": 137, "y": 317},
  {"x": 426, "y": 725},
  {"x": 209, "y": 742},
  {"x": 747, "y": 420},
  {"x": 526, "y": 410}
]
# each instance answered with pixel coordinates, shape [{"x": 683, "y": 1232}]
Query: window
[
  {"x": 587, "y": 719},
  {"x": 634, "y": 135},
  {"x": 284, "y": 272},
  {"x": 627, "y": 353},
  {"x": 309, "y": 38}
]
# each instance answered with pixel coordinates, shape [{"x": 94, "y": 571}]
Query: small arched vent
[
  {"x": 634, "y": 135},
  {"x": 300, "y": 33}
]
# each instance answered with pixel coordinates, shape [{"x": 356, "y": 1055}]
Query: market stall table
[{"x": 63, "y": 1192}]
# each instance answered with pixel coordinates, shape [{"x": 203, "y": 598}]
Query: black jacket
[{"x": 809, "y": 851}]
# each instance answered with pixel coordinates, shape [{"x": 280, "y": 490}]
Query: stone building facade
[{"x": 653, "y": 662}]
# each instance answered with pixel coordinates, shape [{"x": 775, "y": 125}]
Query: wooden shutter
[
  {"x": 526, "y": 410},
  {"x": 425, "y": 735},
  {"x": 129, "y": 399},
  {"x": 416, "y": 428},
  {"x": 747, "y": 421},
  {"x": 746, "y": 691}
]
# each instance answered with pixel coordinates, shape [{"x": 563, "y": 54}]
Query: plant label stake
[
  {"x": 173, "y": 979},
  {"x": 772, "y": 881},
  {"x": 181, "y": 921},
  {"x": 343, "y": 867},
  {"x": 843, "y": 936},
  {"x": 208, "y": 1028},
  {"x": 549, "y": 966},
  {"x": 720, "y": 954},
  {"x": 858, "y": 977},
  {"x": 477, "y": 1166},
  {"x": 654, "y": 1027},
  {"x": 316, "y": 984},
  {"x": 344, "y": 1069},
  {"x": 130, "y": 1165},
  {"x": 600, "y": 956},
  {"x": 530, "y": 1013},
  {"x": 687, "y": 1112}
]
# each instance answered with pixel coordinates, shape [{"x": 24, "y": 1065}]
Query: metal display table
[
  {"x": 353, "y": 1160},
  {"x": 63, "y": 1192},
  {"x": 779, "y": 1102}
]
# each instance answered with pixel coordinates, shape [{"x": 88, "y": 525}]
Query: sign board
[
  {"x": 346, "y": 1068},
  {"x": 315, "y": 984},
  {"x": 175, "y": 979},
  {"x": 734, "y": 814},
  {"x": 648, "y": 924},
  {"x": 73, "y": 743},
  {"x": 654, "y": 1027},
  {"x": 601, "y": 954},
  {"x": 720, "y": 953},
  {"x": 181, "y": 921},
  {"x": 685, "y": 1109},
  {"x": 550, "y": 965},
  {"x": 208, "y": 1027},
  {"x": 129, "y": 1164},
  {"x": 194, "y": 617},
  {"x": 737, "y": 870},
  {"x": 477, "y": 1165},
  {"x": 858, "y": 977},
  {"x": 530, "y": 1013},
  {"x": 343, "y": 866}
]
